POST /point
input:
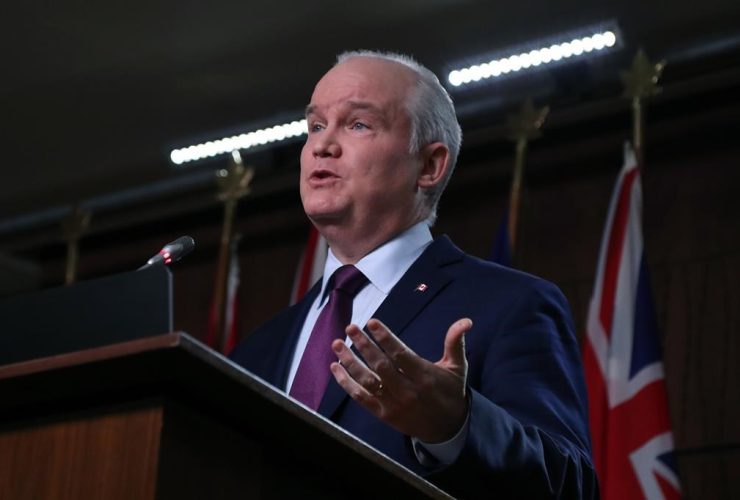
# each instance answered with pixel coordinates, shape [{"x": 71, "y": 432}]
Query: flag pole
[
  {"x": 233, "y": 183},
  {"x": 641, "y": 82},
  {"x": 74, "y": 226},
  {"x": 523, "y": 126}
]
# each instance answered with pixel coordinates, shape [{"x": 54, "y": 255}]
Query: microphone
[{"x": 171, "y": 252}]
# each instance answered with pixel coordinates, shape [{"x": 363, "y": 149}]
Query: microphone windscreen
[{"x": 187, "y": 242}]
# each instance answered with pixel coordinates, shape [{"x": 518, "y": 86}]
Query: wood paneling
[
  {"x": 713, "y": 475},
  {"x": 116, "y": 453}
]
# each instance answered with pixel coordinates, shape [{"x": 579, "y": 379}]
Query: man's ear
[{"x": 436, "y": 158}]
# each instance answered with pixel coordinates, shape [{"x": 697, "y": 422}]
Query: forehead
[{"x": 364, "y": 79}]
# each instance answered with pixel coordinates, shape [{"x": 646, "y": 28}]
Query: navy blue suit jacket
[{"x": 528, "y": 435}]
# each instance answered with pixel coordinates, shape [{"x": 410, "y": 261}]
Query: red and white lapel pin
[{"x": 421, "y": 288}]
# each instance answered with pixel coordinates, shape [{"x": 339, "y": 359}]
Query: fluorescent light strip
[
  {"x": 226, "y": 145},
  {"x": 525, "y": 60}
]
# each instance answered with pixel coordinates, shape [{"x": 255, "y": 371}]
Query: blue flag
[{"x": 501, "y": 249}]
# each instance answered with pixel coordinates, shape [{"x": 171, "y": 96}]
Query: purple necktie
[{"x": 313, "y": 372}]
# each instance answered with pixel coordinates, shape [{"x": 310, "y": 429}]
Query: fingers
[
  {"x": 402, "y": 357},
  {"x": 454, "y": 353},
  {"x": 356, "y": 368},
  {"x": 393, "y": 361},
  {"x": 354, "y": 389},
  {"x": 376, "y": 359}
]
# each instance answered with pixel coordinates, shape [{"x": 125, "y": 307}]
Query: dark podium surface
[
  {"x": 88, "y": 314},
  {"x": 165, "y": 417}
]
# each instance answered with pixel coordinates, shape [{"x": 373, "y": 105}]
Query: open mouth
[{"x": 322, "y": 174}]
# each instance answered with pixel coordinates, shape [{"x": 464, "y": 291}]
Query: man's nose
[{"x": 326, "y": 145}]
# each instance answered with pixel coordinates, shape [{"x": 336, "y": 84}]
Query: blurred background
[{"x": 95, "y": 97}]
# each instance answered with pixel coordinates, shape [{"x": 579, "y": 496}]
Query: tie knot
[{"x": 349, "y": 279}]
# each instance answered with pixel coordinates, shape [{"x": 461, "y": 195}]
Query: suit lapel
[
  {"x": 292, "y": 326},
  {"x": 405, "y": 302},
  {"x": 422, "y": 282}
]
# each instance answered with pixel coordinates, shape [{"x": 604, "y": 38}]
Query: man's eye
[
  {"x": 315, "y": 128},
  {"x": 359, "y": 126}
]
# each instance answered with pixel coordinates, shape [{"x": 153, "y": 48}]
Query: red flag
[
  {"x": 311, "y": 267},
  {"x": 630, "y": 425},
  {"x": 230, "y": 327}
]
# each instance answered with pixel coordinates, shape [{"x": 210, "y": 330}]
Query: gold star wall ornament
[
  {"x": 642, "y": 79},
  {"x": 233, "y": 181},
  {"x": 527, "y": 122}
]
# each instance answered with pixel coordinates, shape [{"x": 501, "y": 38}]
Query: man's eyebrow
[
  {"x": 313, "y": 109},
  {"x": 365, "y": 105}
]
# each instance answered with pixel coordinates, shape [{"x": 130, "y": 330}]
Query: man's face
[{"x": 356, "y": 168}]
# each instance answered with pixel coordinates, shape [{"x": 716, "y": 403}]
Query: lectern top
[{"x": 85, "y": 315}]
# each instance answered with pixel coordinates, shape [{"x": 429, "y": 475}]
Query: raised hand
[{"x": 414, "y": 396}]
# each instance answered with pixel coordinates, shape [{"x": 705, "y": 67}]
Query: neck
[{"x": 350, "y": 245}]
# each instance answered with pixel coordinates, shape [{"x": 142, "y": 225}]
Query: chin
[
  {"x": 324, "y": 218},
  {"x": 319, "y": 208}
]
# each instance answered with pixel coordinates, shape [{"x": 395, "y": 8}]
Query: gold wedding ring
[{"x": 379, "y": 391}]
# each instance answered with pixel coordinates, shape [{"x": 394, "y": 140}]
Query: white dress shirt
[{"x": 383, "y": 268}]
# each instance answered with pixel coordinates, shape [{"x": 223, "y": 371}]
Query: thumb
[{"x": 454, "y": 353}]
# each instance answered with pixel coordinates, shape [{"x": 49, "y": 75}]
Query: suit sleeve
[{"x": 528, "y": 435}]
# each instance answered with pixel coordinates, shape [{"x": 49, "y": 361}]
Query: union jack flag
[{"x": 630, "y": 425}]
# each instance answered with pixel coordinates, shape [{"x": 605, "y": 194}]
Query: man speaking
[{"x": 466, "y": 372}]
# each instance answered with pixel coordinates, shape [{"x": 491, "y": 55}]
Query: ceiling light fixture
[
  {"x": 537, "y": 54},
  {"x": 244, "y": 141}
]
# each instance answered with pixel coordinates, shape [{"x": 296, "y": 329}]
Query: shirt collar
[{"x": 385, "y": 265}]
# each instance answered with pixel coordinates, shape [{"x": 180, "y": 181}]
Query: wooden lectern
[{"x": 166, "y": 418}]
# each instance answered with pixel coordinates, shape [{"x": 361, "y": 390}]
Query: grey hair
[{"x": 432, "y": 115}]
